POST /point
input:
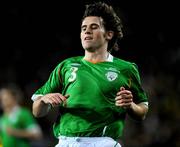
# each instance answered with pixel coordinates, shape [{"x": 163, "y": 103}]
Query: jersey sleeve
[
  {"x": 139, "y": 95},
  {"x": 27, "y": 121},
  {"x": 53, "y": 84}
]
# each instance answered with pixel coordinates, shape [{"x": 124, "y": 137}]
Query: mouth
[{"x": 88, "y": 38}]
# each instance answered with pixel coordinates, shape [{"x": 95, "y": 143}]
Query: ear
[{"x": 109, "y": 35}]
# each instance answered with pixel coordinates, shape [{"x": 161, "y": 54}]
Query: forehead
[
  {"x": 92, "y": 20},
  {"x": 4, "y": 92}
]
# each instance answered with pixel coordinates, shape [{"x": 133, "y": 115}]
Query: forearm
[
  {"x": 21, "y": 133},
  {"x": 40, "y": 108},
  {"x": 138, "y": 111}
]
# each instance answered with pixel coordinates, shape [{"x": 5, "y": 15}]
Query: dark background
[{"x": 36, "y": 37}]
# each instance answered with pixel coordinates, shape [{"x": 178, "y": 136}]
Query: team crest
[{"x": 111, "y": 76}]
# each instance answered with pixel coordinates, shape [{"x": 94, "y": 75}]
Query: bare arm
[
  {"x": 42, "y": 104},
  {"x": 33, "y": 133},
  {"x": 138, "y": 111},
  {"x": 124, "y": 99}
]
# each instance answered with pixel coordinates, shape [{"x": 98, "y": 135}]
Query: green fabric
[
  {"x": 92, "y": 89},
  {"x": 20, "y": 118}
]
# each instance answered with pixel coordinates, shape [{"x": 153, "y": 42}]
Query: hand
[
  {"x": 54, "y": 99},
  {"x": 10, "y": 131},
  {"x": 124, "y": 98}
]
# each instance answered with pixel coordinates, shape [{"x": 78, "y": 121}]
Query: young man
[
  {"x": 17, "y": 125},
  {"x": 95, "y": 92}
]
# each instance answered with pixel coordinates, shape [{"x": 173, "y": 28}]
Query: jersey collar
[{"x": 110, "y": 58}]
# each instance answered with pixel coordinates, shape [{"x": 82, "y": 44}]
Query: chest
[{"x": 107, "y": 78}]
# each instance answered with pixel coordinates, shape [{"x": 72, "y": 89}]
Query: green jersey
[
  {"x": 20, "y": 118},
  {"x": 90, "y": 110}
]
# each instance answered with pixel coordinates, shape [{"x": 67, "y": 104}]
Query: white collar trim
[{"x": 110, "y": 58}]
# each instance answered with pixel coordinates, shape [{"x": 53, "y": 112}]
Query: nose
[{"x": 88, "y": 30}]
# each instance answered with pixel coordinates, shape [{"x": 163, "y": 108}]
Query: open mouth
[{"x": 88, "y": 38}]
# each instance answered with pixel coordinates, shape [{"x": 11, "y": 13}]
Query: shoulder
[
  {"x": 124, "y": 64},
  {"x": 67, "y": 62},
  {"x": 71, "y": 60}
]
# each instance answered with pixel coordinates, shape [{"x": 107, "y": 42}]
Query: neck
[
  {"x": 97, "y": 56},
  {"x": 8, "y": 110}
]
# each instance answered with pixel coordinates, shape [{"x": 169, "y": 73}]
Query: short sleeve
[
  {"x": 139, "y": 94},
  {"x": 53, "y": 84},
  {"x": 26, "y": 119}
]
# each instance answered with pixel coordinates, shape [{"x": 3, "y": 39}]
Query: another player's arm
[
  {"x": 42, "y": 104},
  {"x": 124, "y": 98},
  {"x": 24, "y": 133}
]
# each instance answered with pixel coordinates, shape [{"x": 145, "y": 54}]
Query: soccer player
[
  {"x": 17, "y": 124},
  {"x": 94, "y": 92}
]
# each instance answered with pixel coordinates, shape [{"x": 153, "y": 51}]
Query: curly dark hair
[{"x": 111, "y": 21}]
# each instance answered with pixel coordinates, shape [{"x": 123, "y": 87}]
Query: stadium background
[{"x": 36, "y": 37}]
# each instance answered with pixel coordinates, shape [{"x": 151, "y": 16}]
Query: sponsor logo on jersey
[{"x": 111, "y": 76}]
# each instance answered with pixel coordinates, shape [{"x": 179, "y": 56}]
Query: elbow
[
  {"x": 38, "y": 110},
  {"x": 144, "y": 111},
  {"x": 143, "y": 116},
  {"x": 138, "y": 112},
  {"x": 36, "y": 114},
  {"x": 35, "y": 111}
]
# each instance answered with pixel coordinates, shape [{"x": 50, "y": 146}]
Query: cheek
[
  {"x": 99, "y": 35},
  {"x": 99, "y": 38},
  {"x": 81, "y": 37}
]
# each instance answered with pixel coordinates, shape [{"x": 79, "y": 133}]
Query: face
[
  {"x": 93, "y": 34},
  {"x": 7, "y": 99}
]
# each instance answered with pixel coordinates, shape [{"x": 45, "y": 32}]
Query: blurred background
[{"x": 36, "y": 37}]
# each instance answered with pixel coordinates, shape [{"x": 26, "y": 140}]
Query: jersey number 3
[{"x": 73, "y": 74}]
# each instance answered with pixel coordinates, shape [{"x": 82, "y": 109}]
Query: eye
[
  {"x": 94, "y": 26},
  {"x": 83, "y": 29}
]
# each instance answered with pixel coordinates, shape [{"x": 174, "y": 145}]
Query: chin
[{"x": 90, "y": 49}]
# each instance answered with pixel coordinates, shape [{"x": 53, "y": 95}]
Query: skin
[
  {"x": 124, "y": 98},
  {"x": 95, "y": 51},
  {"x": 42, "y": 105},
  {"x": 94, "y": 40},
  {"x": 9, "y": 102}
]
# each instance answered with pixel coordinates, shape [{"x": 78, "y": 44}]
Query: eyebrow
[{"x": 90, "y": 25}]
